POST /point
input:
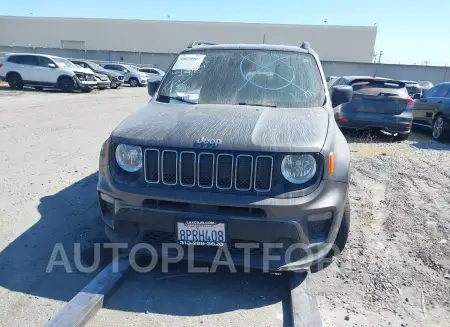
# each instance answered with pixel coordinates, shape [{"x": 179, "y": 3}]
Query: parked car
[
  {"x": 258, "y": 161},
  {"x": 432, "y": 110},
  {"x": 413, "y": 88},
  {"x": 132, "y": 76},
  {"x": 44, "y": 71},
  {"x": 103, "y": 82},
  {"x": 425, "y": 85},
  {"x": 329, "y": 78},
  {"x": 153, "y": 73},
  {"x": 116, "y": 78},
  {"x": 378, "y": 103}
]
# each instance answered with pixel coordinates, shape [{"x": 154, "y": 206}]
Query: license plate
[{"x": 206, "y": 233}]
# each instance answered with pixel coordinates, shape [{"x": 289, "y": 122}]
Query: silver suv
[{"x": 132, "y": 76}]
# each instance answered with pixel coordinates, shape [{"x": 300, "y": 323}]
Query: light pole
[{"x": 379, "y": 56}]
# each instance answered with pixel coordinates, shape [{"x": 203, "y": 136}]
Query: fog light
[
  {"x": 107, "y": 208},
  {"x": 319, "y": 225}
]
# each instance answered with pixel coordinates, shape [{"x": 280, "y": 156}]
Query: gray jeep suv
[{"x": 237, "y": 146}]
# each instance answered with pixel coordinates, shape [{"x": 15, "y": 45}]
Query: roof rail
[
  {"x": 200, "y": 42},
  {"x": 305, "y": 45}
]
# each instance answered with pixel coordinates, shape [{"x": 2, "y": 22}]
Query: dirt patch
[{"x": 395, "y": 270}]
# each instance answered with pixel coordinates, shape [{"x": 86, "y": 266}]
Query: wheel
[
  {"x": 86, "y": 90},
  {"x": 401, "y": 137},
  {"x": 133, "y": 82},
  {"x": 15, "y": 81},
  {"x": 344, "y": 230},
  {"x": 441, "y": 127},
  {"x": 38, "y": 88},
  {"x": 66, "y": 84},
  {"x": 102, "y": 88},
  {"x": 115, "y": 86}
]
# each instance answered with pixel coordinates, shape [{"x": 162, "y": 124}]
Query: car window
[
  {"x": 14, "y": 59},
  {"x": 152, "y": 71},
  {"x": 28, "y": 60},
  {"x": 432, "y": 92},
  {"x": 243, "y": 76},
  {"x": 379, "y": 88},
  {"x": 44, "y": 61},
  {"x": 442, "y": 91},
  {"x": 82, "y": 64},
  {"x": 113, "y": 67},
  {"x": 334, "y": 82}
]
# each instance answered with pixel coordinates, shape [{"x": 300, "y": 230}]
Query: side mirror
[
  {"x": 152, "y": 86},
  {"x": 341, "y": 94},
  {"x": 51, "y": 65},
  {"x": 417, "y": 96}
]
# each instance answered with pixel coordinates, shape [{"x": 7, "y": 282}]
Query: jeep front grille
[{"x": 207, "y": 170}]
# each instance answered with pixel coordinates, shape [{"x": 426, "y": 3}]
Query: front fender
[{"x": 336, "y": 144}]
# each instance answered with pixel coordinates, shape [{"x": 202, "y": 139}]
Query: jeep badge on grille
[{"x": 208, "y": 142}]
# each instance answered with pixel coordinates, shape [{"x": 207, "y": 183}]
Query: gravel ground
[{"x": 395, "y": 270}]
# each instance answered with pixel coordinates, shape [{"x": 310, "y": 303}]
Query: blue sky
[{"x": 408, "y": 31}]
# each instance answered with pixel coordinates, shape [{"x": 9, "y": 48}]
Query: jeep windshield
[{"x": 244, "y": 77}]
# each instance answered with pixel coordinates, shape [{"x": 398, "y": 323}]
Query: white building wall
[{"x": 339, "y": 43}]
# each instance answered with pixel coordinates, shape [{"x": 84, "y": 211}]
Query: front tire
[
  {"x": 133, "y": 82},
  {"x": 66, "y": 84},
  {"x": 15, "y": 81},
  {"x": 441, "y": 128},
  {"x": 115, "y": 86}
]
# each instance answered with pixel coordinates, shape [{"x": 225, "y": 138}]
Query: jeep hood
[{"x": 244, "y": 128}]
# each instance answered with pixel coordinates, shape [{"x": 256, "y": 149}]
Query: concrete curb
[
  {"x": 87, "y": 302},
  {"x": 305, "y": 311}
]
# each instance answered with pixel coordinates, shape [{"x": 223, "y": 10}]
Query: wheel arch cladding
[
  {"x": 12, "y": 73},
  {"x": 336, "y": 143}
]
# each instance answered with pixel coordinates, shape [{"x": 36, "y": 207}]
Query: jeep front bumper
[{"x": 311, "y": 221}]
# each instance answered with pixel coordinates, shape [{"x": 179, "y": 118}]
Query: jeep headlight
[
  {"x": 129, "y": 157},
  {"x": 299, "y": 169}
]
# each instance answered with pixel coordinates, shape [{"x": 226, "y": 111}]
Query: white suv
[{"x": 39, "y": 71}]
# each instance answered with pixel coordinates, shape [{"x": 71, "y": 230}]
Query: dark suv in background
[
  {"x": 378, "y": 103},
  {"x": 432, "y": 110}
]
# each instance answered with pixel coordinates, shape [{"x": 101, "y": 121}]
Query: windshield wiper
[
  {"x": 256, "y": 104},
  {"x": 178, "y": 98}
]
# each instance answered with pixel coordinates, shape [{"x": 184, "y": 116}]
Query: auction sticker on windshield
[
  {"x": 208, "y": 233},
  {"x": 188, "y": 62}
]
